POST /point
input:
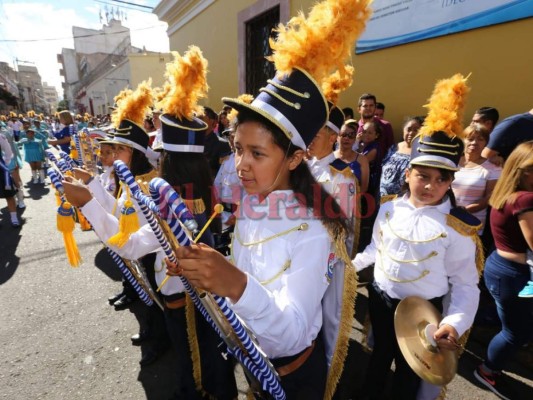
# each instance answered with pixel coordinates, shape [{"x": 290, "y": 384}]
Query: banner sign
[{"x": 396, "y": 22}]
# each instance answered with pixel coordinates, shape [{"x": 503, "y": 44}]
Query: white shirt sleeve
[
  {"x": 463, "y": 280},
  {"x": 106, "y": 200},
  {"x": 105, "y": 225}
]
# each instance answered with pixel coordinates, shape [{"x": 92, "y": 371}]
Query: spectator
[
  {"x": 506, "y": 271},
  {"x": 367, "y": 109},
  {"x": 487, "y": 117},
  {"x": 348, "y": 113},
  {"x": 380, "y": 110},
  {"x": 508, "y": 134},
  {"x": 477, "y": 176},
  {"x": 397, "y": 159}
]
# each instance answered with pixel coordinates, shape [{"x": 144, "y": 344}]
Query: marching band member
[
  {"x": 130, "y": 142},
  {"x": 184, "y": 167},
  {"x": 286, "y": 241},
  {"x": 8, "y": 189},
  {"x": 415, "y": 244}
]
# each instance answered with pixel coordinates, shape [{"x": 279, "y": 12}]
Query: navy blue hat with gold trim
[
  {"x": 129, "y": 116},
  {"x": 294, "y": 103},
  {"x": 440, "y": 141},
  {"x": 336, "y": 118},
  {"x": 182, "y": 135},
  {"x": 182, "y": 131},
  {"x": 129, "y": 134}
]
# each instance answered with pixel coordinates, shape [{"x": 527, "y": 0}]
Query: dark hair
[
  {"x": 380, "y": 106},
  {"x": 210, "y": 113},
  {"x": 348, "y": 112},
  {"x": 417, "y": 118},
  {"x": 489, "y": 113},
  {"x": 445, "y": 174},
  {"x": 190, "y": 174},
  {"x": 301, "y": 180},
  {"x": 366, "y": 96},
  {"x": 377, "y": 126},
  {"x": 139, "y": 165}
]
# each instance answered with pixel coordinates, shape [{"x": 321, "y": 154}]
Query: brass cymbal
[{"x": 415, "y": 321}]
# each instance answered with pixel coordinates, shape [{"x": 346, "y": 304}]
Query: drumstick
[{"x": 216, "y": 210}]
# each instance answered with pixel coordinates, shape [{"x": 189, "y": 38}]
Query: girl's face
[
  {"x": 475, "y": 143},
  {"x": 106, "y": 155},
  {"x": 410, "y": 130},
  {"x": 261, "y": 164},
  {"x": 30, "y": 134},
  {"x": 123, "y": 153},
  {"x": 368, "y": 133},
  {"x": 427, "y": 187}
]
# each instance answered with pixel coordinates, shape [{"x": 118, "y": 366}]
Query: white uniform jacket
[
  {"x": 417, "y": 254},
  {"x": 288, "y": 257}
]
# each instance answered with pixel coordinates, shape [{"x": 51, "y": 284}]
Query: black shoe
[
  {"x": 149, "y": 357},
  {"x": 113, "y": 299},
  {"x": 123, "y": 303},
  {"x": 138, "y": 338}
]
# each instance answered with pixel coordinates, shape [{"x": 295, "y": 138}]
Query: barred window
[{"x": 258, "y": 32}]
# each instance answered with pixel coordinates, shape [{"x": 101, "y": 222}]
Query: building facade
[{"x": 402, "y": 77}]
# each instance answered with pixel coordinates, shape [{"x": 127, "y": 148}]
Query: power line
[
  {"x": 76, "y": 37},
  {"x": 129, "y": 8},
  {"x": 133, "y": 4}
]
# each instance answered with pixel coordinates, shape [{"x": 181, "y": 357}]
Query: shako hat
[
  {"x": 440, "y": 141},
  {"x": 181, "y": 130},
  {"x": 336, "y": 118},
  {"x": 129, "y": 116}
]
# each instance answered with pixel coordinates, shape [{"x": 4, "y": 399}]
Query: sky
[{"x": 36, "y": 31}]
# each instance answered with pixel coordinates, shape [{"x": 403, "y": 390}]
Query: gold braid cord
[
  {"x": 347, "y": 315},
  {"x": 466, "y": 230},
  {"x": 193, "y": 343}
]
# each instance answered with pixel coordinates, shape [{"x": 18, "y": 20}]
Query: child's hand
[
  {"x": 76, "y": 193},
  {"x": 207, "y": 269},
  {"x": 81, "y": 174},
  {"x": 359, "y": 136},
  {"x": 446, "y": 337}
]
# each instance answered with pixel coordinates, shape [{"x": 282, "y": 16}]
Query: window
[{"x": 258, "y": 33}]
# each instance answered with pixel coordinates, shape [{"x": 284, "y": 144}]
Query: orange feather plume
[
  {"x": 135, "y": 105},
  {"x": 321, "y": 43},
  {"x": 187, "y": 84},
  {"x": 446, "y": 107}
]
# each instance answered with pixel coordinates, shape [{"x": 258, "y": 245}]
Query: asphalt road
[{"x": 59, "y": 338}]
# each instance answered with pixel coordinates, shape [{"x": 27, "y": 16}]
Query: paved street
[{"x": 59, "y": 338}]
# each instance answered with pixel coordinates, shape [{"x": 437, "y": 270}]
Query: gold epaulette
[
  {"x": 469, "y": 227},
  {"x": 196, "y": 206},
  {"x": 146, "y": 178},
  {"x": 387, "y": 198},
  {"x": 346, "y": 172},
  {"x": 463, "y": 227}
]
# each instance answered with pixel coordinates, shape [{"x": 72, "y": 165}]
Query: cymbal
[{"x": 415, "y": 322}]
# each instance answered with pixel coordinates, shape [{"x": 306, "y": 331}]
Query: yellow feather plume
[
  {"x": 337, "y": 83},
  {"x": 245, "y": 98},
  {"x": 135, "y": 105},
  {"x": 187, "y": 84},
  {"x": 446, "y": 107},
  {"x": 324, "y": 41}
]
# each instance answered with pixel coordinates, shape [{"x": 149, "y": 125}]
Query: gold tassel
[
  {"x": 193, "y": 343},
  {"x": 73, "y": 153},
  {"x": 84, "y": 224},
  {"x": 347, "y": 316},
  {"x": 128, "y": 224},
  {"x": 65, "y": 225}
]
